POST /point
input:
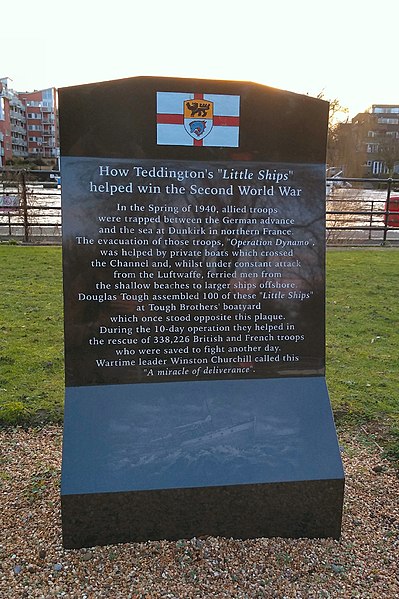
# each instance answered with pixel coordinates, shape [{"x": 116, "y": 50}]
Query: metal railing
[
  {"x": 357, "y": 210},
  {"x": 30, "y": 206}
]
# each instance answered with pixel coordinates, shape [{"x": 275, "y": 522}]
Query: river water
[{"x": 351, "y": 207}]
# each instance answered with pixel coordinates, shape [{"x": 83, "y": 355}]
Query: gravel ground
[{"x": 34, "y": 564}]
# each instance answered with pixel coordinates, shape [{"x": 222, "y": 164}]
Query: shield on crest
[{"x": 198, "y": 117}]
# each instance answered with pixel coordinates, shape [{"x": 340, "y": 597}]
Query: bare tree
[{"x": 337, "y": 132}]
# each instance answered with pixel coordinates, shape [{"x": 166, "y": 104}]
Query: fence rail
[
  {"x": 358, "y": 211},
  {"x": 30, "y": 205},
  {"x": 362, "y": 211}
]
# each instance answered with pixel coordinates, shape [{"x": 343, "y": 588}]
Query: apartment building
[
  {"x": 28, "y": 124},
  {"x": 375, "y": 137},
  {"x": 5, "y": 123}
]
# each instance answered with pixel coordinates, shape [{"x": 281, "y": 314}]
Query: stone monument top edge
[
  {"x": 193, "y": 82},
  {"x": 273, "y": 124}
]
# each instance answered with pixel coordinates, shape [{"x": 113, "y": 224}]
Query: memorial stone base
[{"x": 241, "y": 459}]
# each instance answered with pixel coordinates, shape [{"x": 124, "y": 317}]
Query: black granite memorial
[{"x": 194, "y": 296}]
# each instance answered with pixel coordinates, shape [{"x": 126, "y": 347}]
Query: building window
[
  {"x": 372, "y": 148},
  {"x": 386, "y": 109},
  {"x": 386, "y": 121},
  {"x": 377, "y": 167}
]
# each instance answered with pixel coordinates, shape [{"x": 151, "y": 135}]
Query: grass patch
[
  {"x": 31, "y": 335},
  {"x": 362, "y": 337}
]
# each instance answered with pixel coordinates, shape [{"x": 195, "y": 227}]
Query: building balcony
[
  {"x": 16, "y": 106},
  {"x": 19, "y": 144},
  {"x": 18, "y": 123},
  {"x": 21, "y": 153},
  {"x": 18, "y": 129},
  {"x": 18, "y": 116},
  {"x": 17, "y": 137}
]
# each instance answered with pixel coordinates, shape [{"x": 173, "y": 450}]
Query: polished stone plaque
[{"x": 194, "y": 288}]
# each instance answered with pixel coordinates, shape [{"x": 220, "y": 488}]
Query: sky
[{"x": 343, "y": 49}]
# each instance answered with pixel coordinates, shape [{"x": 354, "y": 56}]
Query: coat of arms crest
[{"x": 198, "y": 118}]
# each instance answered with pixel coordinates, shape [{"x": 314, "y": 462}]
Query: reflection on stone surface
[
  {"x": 203, "y": 433},
  {"x": 231, "y": 276}
]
